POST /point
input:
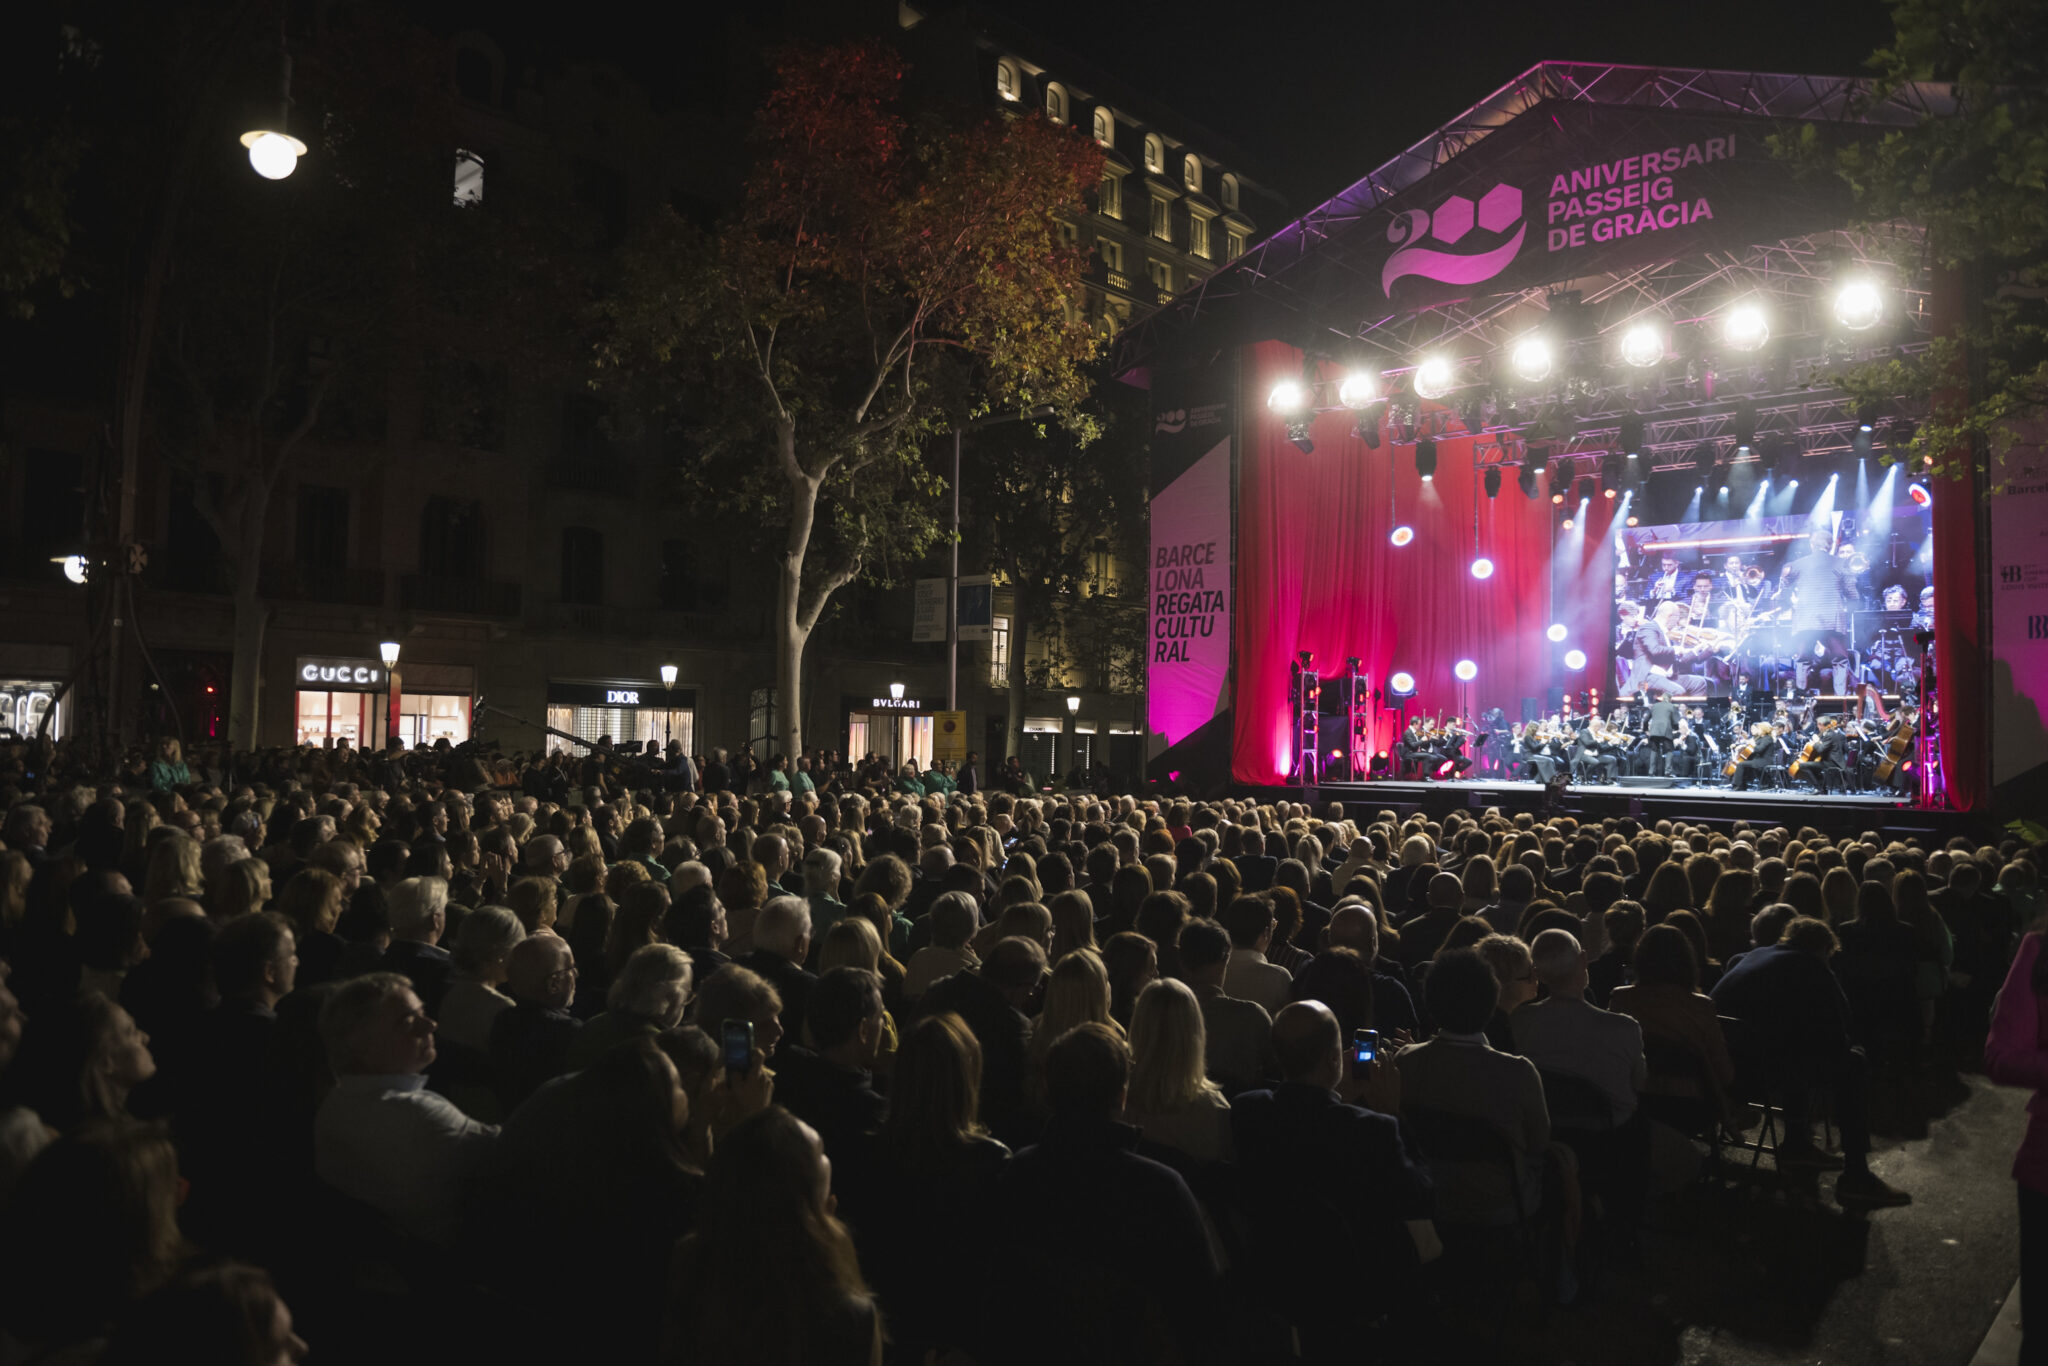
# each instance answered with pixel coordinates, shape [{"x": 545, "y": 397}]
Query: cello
[
  {"x": 1812, "y": 750},
  {"x": 1900, "y": 745}
]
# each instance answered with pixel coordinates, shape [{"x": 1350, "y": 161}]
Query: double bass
[
  {"x": 1812, "y": 750},
  {"x": 1900, "y": 746}
]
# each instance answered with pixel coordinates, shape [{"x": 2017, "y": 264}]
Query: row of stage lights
[
  {"x": 1401, "y": 683},
  {"x": 1858, "y": 306}
]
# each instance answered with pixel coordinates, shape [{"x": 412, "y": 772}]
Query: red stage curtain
[{"x": 1316, "y": 571}]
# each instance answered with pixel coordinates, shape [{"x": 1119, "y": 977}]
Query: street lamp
[
  {"x": 1073, "y": 706},
  {"x": 389, "y": 650},
  {"x": 668, "y": 714},
  {"x": 274, "y": 153},
  {"x": 896, "y": 692}
]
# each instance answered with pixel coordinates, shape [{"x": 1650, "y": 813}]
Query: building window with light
[
  {"x": 999, "y": 652},
  {"x": 1228, "y": 190},
  {"x": 1056, "y": 102},
  {"x": 1155, "y": 153},
  {"x": 1105, "y": 126},
  {"x": 1198, "y": 234},
  {"x": 469, "y": 178},
  {"x": 1112, "y": 254},
  {"x": 1162, "y": 226},
  {"x": 1009, "y": 79},
  {"x": 1112, "y": 196},
  {"x": 1233, "y": 245},
  {"x": 1191, "y": 174},
  {"x": 1161, "y": 274}
]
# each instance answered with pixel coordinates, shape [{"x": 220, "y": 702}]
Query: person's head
[
  {"x": 1308, "y": 1043},
  {"x": 79, "y": 1060},
  {"x": 1767, "y": 926},
  {"x": 418, "y": 908},
  {"x": 485, "y": 940},
  {"x": 27, "y": 827},
  {"x": 654, "y": 985},
  {"x": 173, "y": 867},
  {"x": 935, "y": 1088},
  {"x": 1513, "y": 968},
  {"x": 852, "y": 942},
  {"x": 540, "y": 970},
  {"x": 343, "y": 858},
  {"x": 1204, "y": 951},
  {"x": 227, "y": 1313},
  {"x": 1874, "y": 904},
  {"x": 1087, "y": 1072},
  {"x": 243, "y": 886},
  {"x": 1077, "y": 991},
  {"x": 1808, "y": 935},
  {"x": 844, "y": 1016},
  {"x": 255, "y": 957},
  {"x": 1461, "y": 991},
  {"x": 374, "y": 1025},
  {"x": 1168, "y": 1046},
  {"x": 821, "y": 872},
  {"x": 1073, "y": 923},
  {"x": 784, "y": 927},
  {"x": 954, "y": 919},
  {"x": 734, "y": 993},
  {"x": 1445, "y": 892},
  {"x": 1249, "y": 922},
  {"x": 533, "y": 901},
  {"x": 1132, "y": 961},
  {"x": 1014, "y": 967}
]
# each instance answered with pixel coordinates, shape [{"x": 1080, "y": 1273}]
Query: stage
[{"x": 1647, "y": 800}]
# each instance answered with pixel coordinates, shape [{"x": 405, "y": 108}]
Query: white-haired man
[
  {"x": 782, "y": 941},
  {"x": 418, "y": 908},
  {"x": 821, "y": 891}
]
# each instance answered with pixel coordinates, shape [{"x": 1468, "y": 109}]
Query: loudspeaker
[
  {"x": 1556, "y": 699},
  {"x": 1531, "y": 710}
]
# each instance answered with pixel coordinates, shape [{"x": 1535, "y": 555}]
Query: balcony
[
  {"x": 458, "y": 597},
  {"x": 323, "y": 583}
]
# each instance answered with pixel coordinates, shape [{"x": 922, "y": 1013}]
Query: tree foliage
[
  {"x": 882, "y": 280},
  {"x": 1976, "y": 178}
]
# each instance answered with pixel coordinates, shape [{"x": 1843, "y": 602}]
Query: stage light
[
  {"x": 1425, "y": 459},
  {"x": 1289, "y": 398},
  {"x": 1569, "y": 524},
  {"x": 1556, "y": 631},
  {"x": 1632, "y": 435},
  {"x": 1724, "y": 490},
  {"x": 1434, "y": 376},
  {"x": 1575, "y": 659},
  {"x": 1919, "y": 494},
  {"x": 1359, "y": 389},
  {"x": 1858, "y": 305},
  {"x": 1402, "y": 535},
  {"x": 1492, "y": 481},
  {"x": 1643, "y": 345},
  {"x": 1525, "y": 479},
  {"x": 1793, "y": 485},
  {"x": 1466, "y": 670},
  {"x": 1745, "y": 427},
  {"x": 1746, "y": 328},
  {"x": 1482, "y": 568},
  {"x": 1633, "y": 520},
  {"x": 1532, "y": 360},
  {"x": 1402, "y": 684}
]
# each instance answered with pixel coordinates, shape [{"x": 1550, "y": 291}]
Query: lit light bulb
[
  {"x": 1532, "y": 360},
  {"x": 1466, "y": 670},
  {"x": 1575, "y": 659},
  {"x": 1358, "y": 390},
  {"x": 1642, "y": 345},
  {"x": 1746, "y": 328},
  {"x": 273, "y": 155},
  {"x": 1556, "y": 631},
  {"x": 1434, "y": 376},
  {"x": 1858, "y": 305}
]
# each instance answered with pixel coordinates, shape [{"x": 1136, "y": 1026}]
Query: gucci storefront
[{"x": 346, "y": 700}]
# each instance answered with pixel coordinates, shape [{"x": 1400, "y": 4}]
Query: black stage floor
[{"x": 1647, "y": 800}]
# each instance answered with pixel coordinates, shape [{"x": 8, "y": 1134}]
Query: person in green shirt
[
  {"x": 936, "y": 782},
  {"x": 778, "y": 774},
  {"x": 907, "y": 782},
  {"x": 169, "y": 770},
  {"x": 795, "y": 776}
]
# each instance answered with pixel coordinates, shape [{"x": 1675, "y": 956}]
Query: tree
[
  {"x": 1976, "y": 178},
  {"x": 1045, "y": 509},
  {"x": 880, "y": 282}
]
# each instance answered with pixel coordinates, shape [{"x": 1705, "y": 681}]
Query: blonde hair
[
  {"x": 852, "y": 942},
  {"x": 173, "y": 870},
  {"x": 1076, "y": 993},
  {"x": 242, "y": 886},
  {"x": 1169, "y": 1044}
]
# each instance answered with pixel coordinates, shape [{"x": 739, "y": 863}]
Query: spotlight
[
  {"x": 1633, "y": 519},
  {"x": 1575, "y": 659},
  {"x": 1425, "y": 459},
  {"x": 1525, "y": 479},
  {"x": 1532, "y": 360},
  {"x": 1919, "y": 494},
  {"x": 1558, "y": 496},
  {"x": 1724, "y": 490},
  {"x": 1359, "y": 389},
  {"x": 1289, "y": 398},
  {"x": 1745, "y": 328},
  {"x": 1466, "y": 670},
  {"x": 1643, "y": 345},
  {"x": 1859, "y": 304},
  {"x": 1745, "y": 426},
  {"x": 1402, "y": 684},
  {"x": 1569, "y": 524},
  {"x": 1492, "y": 481},
  {"x": 1482, "y": 568},
  {"x": 1434, "y": 376},
  {"x": 1556, "y": 631},
  {"x": 1402, "y": 535},
  {"x": 1610, "y": 473},
  {"x": 1632, "y": 435}
]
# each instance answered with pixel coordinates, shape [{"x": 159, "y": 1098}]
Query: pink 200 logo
[{"x": 1499, "y": 209}]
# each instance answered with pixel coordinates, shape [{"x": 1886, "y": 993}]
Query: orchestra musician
[
  {"x": 1923, "y": 620},
  {"x": 1594, "y": 750},
  {"x": 1828, "y": 765},
  {"x": 1658, "y": 656},
  {"x": 1770, "y": 752},
  {"x": 1535, "y": 748},
  {"x": 1664, "y": 585}
]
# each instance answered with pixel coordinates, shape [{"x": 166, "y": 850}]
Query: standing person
[
  {"x": 1819, "y": 582},
  {"x": 1662, "y": 729},
  {"x": 169, "y": 771},
  {"x": 968, "y": 780},
  {"x": 2016, "y": 1054}
]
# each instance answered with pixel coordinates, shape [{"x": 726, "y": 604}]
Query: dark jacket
[
  {"x": 529, "y": 1046},
  {"x": 792, "y": 983},
  {"x": 841, "y": 1104},
  {"x": 426, "y": 966},
  {"x": 1789, "y": 1003},
  {"x": 1004, "y": 1035},
  {"x": 1113, "y": 1245}
]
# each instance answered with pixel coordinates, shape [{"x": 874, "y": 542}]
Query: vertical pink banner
[{"x": 1188, "y": 627}]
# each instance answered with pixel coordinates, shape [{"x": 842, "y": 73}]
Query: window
[
  {"x": 999, "y": 652},
  {"x": 582, "y": 564},
  {"x": 1228, "y": 191},
  {"x": 1191, "y": 173},
  {"x": 1162, "y": 225},
  {"x": 1056, "y": 102},
  {"x": 1112, "y": 196},
  {"x": 323, "y": 528},
  {"x": 583, "y": 433},
  {"x": 469, "y": 178},
  {"x": 1112, "y": 254},
  {"x": 1155, "y": 153},
  {"x": 1009, "y": 79},
  {"x": 1070, "y": 234},
  {"x": 1198, "y": 234},
  {"x": 1161, "y": 275},
  {"x": 1233, "y": 245},
  {"x": 453, "y": 539},
  {"x": 1105, "y": 126}
]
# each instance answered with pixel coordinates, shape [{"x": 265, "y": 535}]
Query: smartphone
[
  {"x": 736, "y": 1040},
  {"x": 1365, "y": 1051}
]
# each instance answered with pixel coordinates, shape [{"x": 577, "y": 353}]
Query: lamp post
[
  {"x": 953, "y": 564},
  {"x": 274, "y": 153},
  {"x": 668, "y": 715},
  {"x": 389, "y": 650},
  {"x": 1073, "y": 731}
]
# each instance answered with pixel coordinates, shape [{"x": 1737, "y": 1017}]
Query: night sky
[{"x": 1317, "y": 95}]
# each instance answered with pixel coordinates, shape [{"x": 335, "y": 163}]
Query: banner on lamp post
[{"x": 949, "y": 737}]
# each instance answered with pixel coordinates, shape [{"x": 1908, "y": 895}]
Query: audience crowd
[{"x": 701, "y": 1076}]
